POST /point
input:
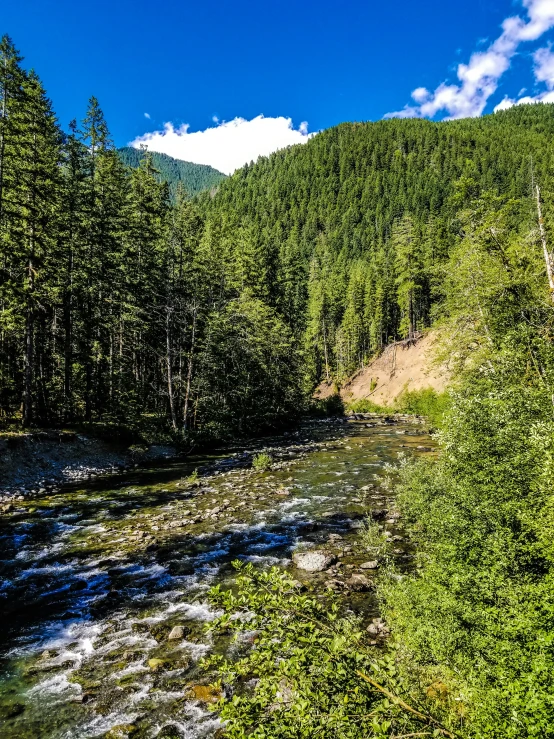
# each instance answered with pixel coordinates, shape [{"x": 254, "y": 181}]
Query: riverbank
[{"x": 41, "y": 462}]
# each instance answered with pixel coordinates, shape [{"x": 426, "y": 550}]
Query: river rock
[
  {"x": 203, "y": 693},
  {"x": 359, "y": 584},
  {"x": 171, "y": 731},
  {"x": 121, "y": 731},
  {"x": 378, "y": 628},
  {"x": 373, "y": 565},
  {"x": 314, "y": 561},
  {"x": 177, "y": 632},
  {"x": 11, "y": 710}
]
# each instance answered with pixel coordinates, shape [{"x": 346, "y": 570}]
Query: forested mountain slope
[
  {"x": 194, "y": 178},
  {"x": 361, "y": 218}
]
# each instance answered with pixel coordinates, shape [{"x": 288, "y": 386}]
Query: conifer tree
[
  {"x": 104, "y": 199},
  {"x": 409, "y": 272}
]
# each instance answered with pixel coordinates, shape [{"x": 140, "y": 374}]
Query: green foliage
[
  {"x": 366, "y": 215},
  {"x": 303, "y": 669},
  {"x": 334, "y": 405},
  {"x": 373, "y": 539},
  {"x": 425, "y": 402},
  {"x": 192, "y": 178},
  {"x": 478, "y": 612},
  {"x": 193, "y": 477},
  {"x": 249, "y": 369},
  {"x": 119, "y": 307},
  {"x": 365, "y": 405},
  {"x": 261, "y": 462}
]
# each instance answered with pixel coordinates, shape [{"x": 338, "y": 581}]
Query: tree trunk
[
  {"x": 327, "y": 375},
  {"x": 29, "y": 347},
  {"x": 169, "y": 369},
  {"x": 411, "y": 316},
  {"x": 189, "y": 375},
  {"x": 547, "y": 255},
  {"x": 68, "y": 340}
]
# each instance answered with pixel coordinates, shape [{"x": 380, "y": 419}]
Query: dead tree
[{"x": 547, "y": 255}]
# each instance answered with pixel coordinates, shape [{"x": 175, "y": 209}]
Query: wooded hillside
[{"x": 193, "y": 178}]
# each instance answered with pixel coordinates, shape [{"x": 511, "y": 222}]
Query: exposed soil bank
[
  {"x": 34, "y": 462},
  {"x": 400, "y": 367}
]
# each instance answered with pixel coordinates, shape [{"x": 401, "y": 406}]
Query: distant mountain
[{"x": 194, "y": 177}]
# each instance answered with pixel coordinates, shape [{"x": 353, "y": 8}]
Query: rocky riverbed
[
  {"x": 40, "y": 462},
  {"x": 103, "y": 590}
]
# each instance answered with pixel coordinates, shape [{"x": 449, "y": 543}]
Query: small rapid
[{"x": 103, "y": 584}]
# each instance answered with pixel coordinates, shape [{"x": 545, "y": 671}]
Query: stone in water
[{"x": 315, "y": 561}]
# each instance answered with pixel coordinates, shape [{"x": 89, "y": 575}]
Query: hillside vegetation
[
  {"x": 193, "y": 178},
  {"x": 358, "y": 224}
]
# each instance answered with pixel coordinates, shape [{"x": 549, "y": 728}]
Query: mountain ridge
[{"x": 195, "y": 178}]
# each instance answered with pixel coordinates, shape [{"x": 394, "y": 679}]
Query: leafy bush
[
  {"x": 425, "y": 402},
  {"x": 193, "y": 477},
  {"x": 311, "y": 671},
  {"x": 261, "y": 462},
  {"x": 325, "y": 407},
  {"x": 373, "y": 539},
  {"x": 478, "y": 613},
  {"x": 368, "y": 406}
]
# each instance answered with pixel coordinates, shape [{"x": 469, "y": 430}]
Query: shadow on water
[{"x": 95, "y": 576}]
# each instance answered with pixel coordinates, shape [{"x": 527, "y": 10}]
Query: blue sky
[{"x": 207, "y": 64}]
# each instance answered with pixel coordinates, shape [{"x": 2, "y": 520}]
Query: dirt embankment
[
  {"x": 402, "y": 366},
  {"x": 35, "y": 462}
]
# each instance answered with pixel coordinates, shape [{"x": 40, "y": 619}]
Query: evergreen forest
[
  {"x": 127, "y": 303},
  {"x": 193, "y": 178}
]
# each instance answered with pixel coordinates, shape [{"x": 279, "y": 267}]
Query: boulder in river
[
  {"x": 121, "y": 731},
  {"x": 314, "y": 561},
  {"x": 177, "y": 632},
  {"x": 359, "y": 584},
  {"x": 203, "y": 693},
  {"x": 10, "y": 710},
  {"x": 156, "y": 665},
  {"x": 170, "y": 731},
  {"x": 373, "y": 565}
]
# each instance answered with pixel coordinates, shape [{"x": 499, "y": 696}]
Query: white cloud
[
  {"x": 228, "y": 145},
  {"x": 544, "y": 66},
  {"x": 147, "y": 115},
  {"x": 478, "y": 79},
  {"x": 544, "y": 72}
]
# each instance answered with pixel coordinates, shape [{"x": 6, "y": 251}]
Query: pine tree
[
  {"x": 30, "y": 213},
  {"x": 105, "y": 190},
  {"x": 406, "y": 243}
]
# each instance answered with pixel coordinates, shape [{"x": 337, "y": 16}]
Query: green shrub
[
  {"x": 425, "y": 402},
  {"x": 193, "y": 477},
  {"x": 311, "y": 672},
  {"x": 261, "y": 462},
  {"x": 367, "y": 406},
  {"x": 479, "y": 609},
  {"x": 373, "y": 539}
]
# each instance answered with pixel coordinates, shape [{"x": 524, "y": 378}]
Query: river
[{"x": 95, "y": 576}]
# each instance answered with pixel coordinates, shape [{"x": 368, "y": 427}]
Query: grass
[{"x": 192, "y": 478}]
